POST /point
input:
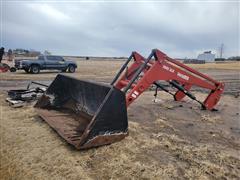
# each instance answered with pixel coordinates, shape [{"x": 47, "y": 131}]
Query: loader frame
[
  {"x": 88, "y": 114},
  {"x": 142, "y": 73}
]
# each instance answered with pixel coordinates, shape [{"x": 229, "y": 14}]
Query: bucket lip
[
  {"x": 107, "y": 139},
  {"x": 88, "y": 81}
]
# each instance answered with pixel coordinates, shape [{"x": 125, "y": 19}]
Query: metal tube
[
  {"x": 121, "y": 70},
  {"x": 191, "y": 70},
  {"x": 33, "y": 82},
  {"x": 163, "y": 88},
  {"x": 135, "y": 76},
  {"x": 190, "y": 95}
]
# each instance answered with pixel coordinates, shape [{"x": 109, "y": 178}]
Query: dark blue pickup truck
[{"x": 46, "y": 62}]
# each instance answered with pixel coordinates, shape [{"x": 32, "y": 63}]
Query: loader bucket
[{"x": 85, "y": 114}]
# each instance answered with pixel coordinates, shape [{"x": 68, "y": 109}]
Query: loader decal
[{"x": 183, "y": 76}]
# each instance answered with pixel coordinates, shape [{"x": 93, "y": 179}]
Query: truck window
[
  {"x": 59, "y": 58},
  {"x": 52, "y": 58},
  {"x": 40, "y": 58}
]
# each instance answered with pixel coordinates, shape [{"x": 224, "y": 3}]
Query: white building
[{"x": 206, "y": 56}]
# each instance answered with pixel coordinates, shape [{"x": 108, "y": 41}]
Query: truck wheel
[
  {"x": 13, "y": 69},
  {"x": 71, "y": 69},
  {"x": 35, "y": 69}
]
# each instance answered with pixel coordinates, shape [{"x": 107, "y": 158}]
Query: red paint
[{"x": 168, "y": 69}]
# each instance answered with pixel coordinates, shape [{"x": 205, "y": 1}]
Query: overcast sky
[{"x": 180, "y": 29}]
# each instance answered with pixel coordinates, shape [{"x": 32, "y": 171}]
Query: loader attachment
[{"x": 85, "y": 114}]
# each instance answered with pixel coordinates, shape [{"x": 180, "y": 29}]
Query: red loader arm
[{"x": 142, "y": 73}]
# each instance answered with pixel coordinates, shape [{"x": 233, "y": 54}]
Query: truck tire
[
  {"x": 13, "y": 69},
  {"x": 35, "y": 69},
  {"x": 71, "y": 68}
]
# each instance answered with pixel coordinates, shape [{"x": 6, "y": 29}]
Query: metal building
[{"x": 207, "y": 56}]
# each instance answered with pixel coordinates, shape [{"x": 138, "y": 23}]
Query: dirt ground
[{"x": 167, "y": 139}]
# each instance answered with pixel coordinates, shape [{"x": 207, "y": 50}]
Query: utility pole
[{"x": 221, "y": 50}]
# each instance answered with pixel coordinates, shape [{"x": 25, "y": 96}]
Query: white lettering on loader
[{"x": 183, "y": 76}]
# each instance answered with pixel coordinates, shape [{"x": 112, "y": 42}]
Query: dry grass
[
  {"x": 222, "y": 65},
  {"x": 86, "y": 70},
  {"x": 104, "y": 70},
  {"x": 159, "y": 145},
  {"x": 30, "y": 149}
]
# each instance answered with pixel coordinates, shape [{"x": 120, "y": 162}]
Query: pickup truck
[{"x": 46, "y": 62}]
